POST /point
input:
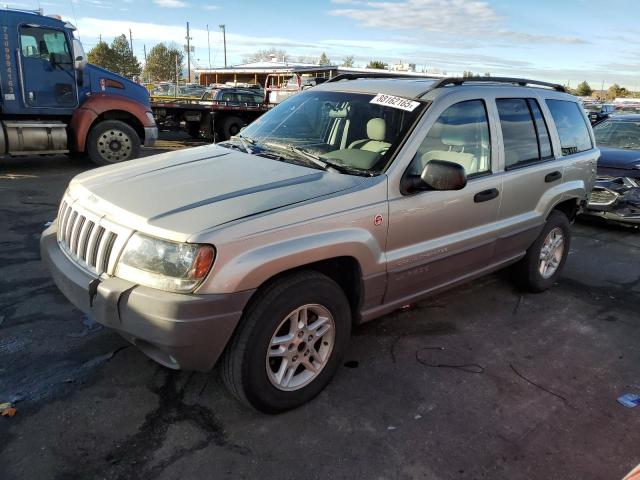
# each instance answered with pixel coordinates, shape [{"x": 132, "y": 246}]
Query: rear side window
[
  {"x": 525, "y": 134},
  {"x": 571, "y": 125}
]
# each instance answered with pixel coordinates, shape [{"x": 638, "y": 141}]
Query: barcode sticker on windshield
[{"x": 395, "y": 102}]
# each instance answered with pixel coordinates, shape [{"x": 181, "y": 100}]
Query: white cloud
[
  {"x": 452, "y": 17},
  {"x": 171, "y": 3}
]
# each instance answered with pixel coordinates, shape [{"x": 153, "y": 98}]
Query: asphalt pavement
[{"x": 482, "y": 382}]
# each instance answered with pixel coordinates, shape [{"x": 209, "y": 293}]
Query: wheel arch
[
  {"x": 344, "y": 270},
  {"x": 107, "y": 107}
]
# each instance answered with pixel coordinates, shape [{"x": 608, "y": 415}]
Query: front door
[
  {"x": 48, "y": 74},
  {"x": 438, "y": 237}
]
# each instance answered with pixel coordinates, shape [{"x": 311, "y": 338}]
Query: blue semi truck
[{"x": 53, "y": 102}]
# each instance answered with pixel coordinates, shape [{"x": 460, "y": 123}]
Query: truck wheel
[
  {"x": 545, "y": 258},
  {"x": 193, "y": 129},
  {"x": 112, "y": 141},
  {"x": 289, "y": 343},
  {"x": 231, "y": 126}
]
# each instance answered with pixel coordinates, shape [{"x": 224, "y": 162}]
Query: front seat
[
  {"x": 376, "y": 131},
  {"x": 454, "y": 139}
]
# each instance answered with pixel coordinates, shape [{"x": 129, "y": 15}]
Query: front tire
[
  {"x": 545, "y": 258},
  {"x": 112, "y": 141},
  {"x": 289, "y": 343}
]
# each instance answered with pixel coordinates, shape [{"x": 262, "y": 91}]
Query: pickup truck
[{"x": 339, "y": 205}]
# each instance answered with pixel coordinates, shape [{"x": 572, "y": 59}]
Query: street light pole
[
  {"x": 188, "y": 55},
  {"x": 224, "y": 40}
]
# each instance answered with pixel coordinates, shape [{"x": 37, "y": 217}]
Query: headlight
[
  {"x": 151, "y": 118},
  {"x": 171, "y": 266}
]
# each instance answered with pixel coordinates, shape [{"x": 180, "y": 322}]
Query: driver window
[
  {"x": 46, "y": 44},
  {"x": 460, "y": 135}
]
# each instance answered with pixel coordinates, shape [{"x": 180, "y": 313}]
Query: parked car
[
  {"x": 234, "y": 96},
  {"x": 616, "y": 195},
  {"x": 340, "y": 205},
  {"x": 598, "y": 112}
]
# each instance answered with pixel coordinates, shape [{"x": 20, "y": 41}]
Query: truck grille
[
  {"x": 602, "y": 196},
  {"x": 85, "y": 239}
]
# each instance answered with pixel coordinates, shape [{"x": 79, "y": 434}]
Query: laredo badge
[{"x": 395, "y": 102}]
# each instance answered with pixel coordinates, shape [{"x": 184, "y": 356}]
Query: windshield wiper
[
  {"x": 245, "y": 141},
  {"x": 326, "y": 165}
]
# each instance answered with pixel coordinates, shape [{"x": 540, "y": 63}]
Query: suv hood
[{"x": 178, "y": 194}]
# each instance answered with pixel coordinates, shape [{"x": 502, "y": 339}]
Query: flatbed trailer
[{"x": 213, "y": 120}]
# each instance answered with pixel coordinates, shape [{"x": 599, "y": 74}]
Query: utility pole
[
  {"x": 130, "y": 41},
  {"x": 224, "y": 40},
  {"x": 188, "y": 55},
  {"x": 209, "y": 46},
  {"x": 144, "y": 49}
]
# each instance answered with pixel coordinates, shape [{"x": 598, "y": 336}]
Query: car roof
[
  {"x": 632, "y": 117},
  {"x": 417, "y": 88},
  {"x": 401, "y": 87}
]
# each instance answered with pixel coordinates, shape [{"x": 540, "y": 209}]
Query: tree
[
  {"x": 102, "y": 56},
  {"x": 324, "y": 60},
  {"x": 379, "y": 64},
  {"x": 126, "y": 63},
  {"x": 468, "y": 74},
  {"x": 584, "y": 89},
  {"x": 348, "y": 61},
  {"x": 161, "y": 63},
  {"x": 616, "y": 91},
  {"x": 266, "y": 55}
]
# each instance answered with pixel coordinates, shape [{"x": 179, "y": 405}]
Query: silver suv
[{"x": 340, "y": 205}]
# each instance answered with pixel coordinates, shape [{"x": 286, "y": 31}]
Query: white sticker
[
  {"x": 395, "y": 102},
  {"x": 9, "y": 96}
]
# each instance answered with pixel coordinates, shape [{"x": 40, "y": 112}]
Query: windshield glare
[
  {"x": 618, "y": 134},
  {"x": 339, "y": 128}
]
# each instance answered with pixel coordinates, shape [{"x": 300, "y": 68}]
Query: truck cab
[{"x": 52, "y": 101}]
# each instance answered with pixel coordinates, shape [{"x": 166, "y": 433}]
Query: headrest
[
  {"x": 455, "y": 135},
  {"x": 376, "y": 129}
]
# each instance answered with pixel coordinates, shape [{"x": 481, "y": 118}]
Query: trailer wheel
[
  {"x": 112, "y": 141},
  {"x": 193, "y": 129},
  {"x": 231, "y": 126}
]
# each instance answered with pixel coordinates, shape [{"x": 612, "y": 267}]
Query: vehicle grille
[
  {"x": 602, "y": 196},
  {"x": 84, "y": 239}
]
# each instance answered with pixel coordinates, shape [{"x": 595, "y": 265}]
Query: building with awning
[{"x": 256, "y": 73}]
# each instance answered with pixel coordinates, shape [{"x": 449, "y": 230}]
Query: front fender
[
  {"x": 252, "y": 268},
  {"x": 96, "y": 105}
]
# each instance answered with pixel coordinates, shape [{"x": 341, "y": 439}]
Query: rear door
[
  {"x": 534, "y": 171},
  {"x": 47, "y": 68}
]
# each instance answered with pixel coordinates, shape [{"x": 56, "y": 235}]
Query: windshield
[
  {"x": 337, "y": 129},
  {"x": 618, "y": 134}
]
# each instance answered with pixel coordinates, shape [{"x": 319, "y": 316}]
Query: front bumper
[
  {"x": 150, "y": 136},
  {"x": 616, "y": 200},
  {"x": 177, "y": 330}
]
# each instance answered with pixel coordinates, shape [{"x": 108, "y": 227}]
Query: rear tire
[
  {"x": 267, "y": 338},
  {"x": 231, "y": 126},
  {"x": 545, "y": 258},
  {"x": 112, "y": 141},
  {"x": 193, "y": 129}
]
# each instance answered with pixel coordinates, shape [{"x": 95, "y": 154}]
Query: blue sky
[{"x": 562, "y": 41}]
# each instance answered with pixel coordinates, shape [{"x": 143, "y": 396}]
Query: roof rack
[
  {"x": 355, "y": 76},
  {"x": 517, "y": 81}
]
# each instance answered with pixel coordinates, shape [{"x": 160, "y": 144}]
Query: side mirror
[
  {"x": 80, "y": 63},
  {"x": 438, "y": 175}
]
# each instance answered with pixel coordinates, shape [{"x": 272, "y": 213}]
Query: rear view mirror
[{"x": 438, "y": 175}]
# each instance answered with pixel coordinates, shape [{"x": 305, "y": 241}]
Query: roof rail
[
  {"x": 354, "y": 76},
  {"x": 517, "y": 81}
]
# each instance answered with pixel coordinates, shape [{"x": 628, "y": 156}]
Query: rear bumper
[
  {"x": 179, "y": 331},
  {"x": 150, "y": 136}
]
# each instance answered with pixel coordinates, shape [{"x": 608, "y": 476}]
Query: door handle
[
  {"x": 553, "y": 176},
  {"x": 486, "y": 195}
]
